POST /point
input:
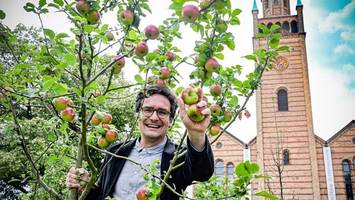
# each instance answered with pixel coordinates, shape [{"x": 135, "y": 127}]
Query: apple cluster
[
  {"x": 64, "y": 106},
  {"x": 84, "y": 8},
  {"x": 191, "y": 96},
  {"x": 109, "y": 135}
]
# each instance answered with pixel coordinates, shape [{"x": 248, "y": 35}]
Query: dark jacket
[{"x": 198, "y": 166}]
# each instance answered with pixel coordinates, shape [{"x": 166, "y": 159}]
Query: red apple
[
  {"x": 216, "y": 109},
  {"x": 127, "y": 17},
  {"x": 160, "y": 82},
  {"x": 95, "y": 120},
  {"x": 68, "y": 114},
  {"x": 141, "y": 49},
  {"x": 215, "y": 129},
  {"x": 106, "y": 126},
  {"x": 142, "y": 194},
  {"x": 190, "y": 13},
  {"x": 96, "y": 93},
  {"x": 61, "y": 103},
  {"x": 93, "y": 17},
  {"x": 109, "y": 35},
  {"x": 164, "y": 73},
  {"x": 119, "y": 64},
  {"x": 189, "y": 95},
  {"x": 227, "y": 117},
  {"x": 107, "y": 118},
  {"x": 195, "y": 113},
  {"x": 151, "y": 32},
  {"x": 82, "y": 6},
  {"x": 111, "y": 135},
  {"x": 170, "y": 55},
  {"x": 211, "y": 65},
  {"x": 102, "y": 142},
  {"x": 216, "y": 90}
]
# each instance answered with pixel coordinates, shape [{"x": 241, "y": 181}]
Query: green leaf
[
  {"x": 70, "y": 59},
  {"x": 49, "y": 33},
  {"x": 101, "y": 99},
  {"x": 250, "y": 57},
  {"x": 231, "y": 44},
  {"x": 236, "y": 12},
  {"x": 138, "y": 78},
  {"x": 274, "y": 27},
  {"x": 2, "y": 14},
  {"x": 233, "y": 102},
  {"x": 63, "y": 128},
  {"x": 219, "y": 56},
  {"x": 59, "y": 2},
  {"x": 53, "y": 5},
  {"x": 283, "y": 48},
  {"x": 235, "y": 21},
  {"x": 29, "y": 7},
  {"x": 89, "y": 28},
  {"x": 267, "y": 195},
  {"x": 42, "y": 3},
  {"x": 61, "y": 35},
  {"x": 241, "y": 170}
]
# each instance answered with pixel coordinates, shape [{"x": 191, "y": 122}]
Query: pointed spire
[
  {"x": 299, "y": 3},
  {"x": 255, "y": 7}
]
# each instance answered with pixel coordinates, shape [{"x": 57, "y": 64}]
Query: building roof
[
  {"x": 343, "y": 130},
  {"x": 255, "y": 7}
]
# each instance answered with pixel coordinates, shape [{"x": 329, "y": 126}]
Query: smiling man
[{"x": 156, "y": 108}]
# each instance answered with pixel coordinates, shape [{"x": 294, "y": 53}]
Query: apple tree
[{"x": 72, "y": 82}]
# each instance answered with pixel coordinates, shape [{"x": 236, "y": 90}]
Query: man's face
[{"x": 154, "y": 128}]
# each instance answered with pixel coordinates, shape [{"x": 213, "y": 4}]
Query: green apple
[
  {"x": 195, "y": 113},
  {"x": 189, "y": 95}
]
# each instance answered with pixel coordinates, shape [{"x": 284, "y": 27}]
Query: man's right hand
[{"x": 77, "y": 178}]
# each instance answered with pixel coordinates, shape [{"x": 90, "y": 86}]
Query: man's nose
[{"x": 154, "y": 116}]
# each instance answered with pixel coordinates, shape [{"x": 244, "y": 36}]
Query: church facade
[{"x": 303, "y": 165}]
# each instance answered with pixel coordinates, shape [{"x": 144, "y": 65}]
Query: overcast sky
[{"x": 330, "y": 50}]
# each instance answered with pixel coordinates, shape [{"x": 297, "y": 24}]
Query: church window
[
  {"x": 347, "y": 180},
  {"x": 219, "y": 145},
  {"x": 276, "y": 2},
  {"x": 353, "y": 140},
  {"x": 286, "y": 3},
  {"x": 285, "y": 27},
  {"x": 278, "y": 23},
  {"x": 286, "y": 157},
  {"x": 260, "y": 30},
  {"x": 219, "y": 168},
  {"x": 269, "y": 25},
  {"x": 230, "y": 170},
  {"x": 282, "y": 100},
  {"x": 294, "y": 28},
  {"x": 266, "y": 4}
]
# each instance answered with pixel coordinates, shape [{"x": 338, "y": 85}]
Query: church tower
[{"x": 285, "y": 138}]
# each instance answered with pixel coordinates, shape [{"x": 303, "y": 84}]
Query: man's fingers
[
  {"x": 206, "y": 111},
  {"x": 182, "y": 108},
  {"x": 73, "y": 170}
]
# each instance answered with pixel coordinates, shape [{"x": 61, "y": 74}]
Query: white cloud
[
  {"x": 349, "y": 69},
  {"x": 335, "y": 20},
  {"x": 348, "y": 36},
  {"x": 344, "y": 49}
]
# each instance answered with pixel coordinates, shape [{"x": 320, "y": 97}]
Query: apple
[
  {"x": 93, "y": 17},
  {"x": 240, "y": 115},
  {"x": 111, "y": 135},
  {"x": 215, "y": 129},
  {"x": 106, "y": 126},
  {"x": 82, "y": 6},
  {"x": 189, "y": 95},
  {"x": 220, "y": 4},
  {"x": 227, "y": 116},
  {"x": 170, "y": 55},
  {"x": 164, "y": 73},
  {"x": 141, "y": 49},
  {"x": 190, "y": 13},
  {"x": 95, "y": 120},
  {"x": 106, "y": 118},
  {"x": 119, "y": 64},
  {"x": 160, "y": 82},
  {"x": 96, "y": 93},
  {"x": 142, "y": 194},
  {"x": 211, "y": 65},
  {"x": 151, "y": 32},
  {"x": 221, "y": 26},
  {"x": 247, "y": 113},
  {"x": 216, "y": 109},
  {"x": 127, "y": 17},
  {"x": 61, "y": 103},
  {"x": 68, "y": 114},
  {"x": 194, "y": 113},
  {"x": 109, "y": 35},
  {"x": 216, "y": 90},
  {"x": 102, "y": 142}
]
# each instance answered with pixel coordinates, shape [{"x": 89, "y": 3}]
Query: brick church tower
[{"x": 285, "y": 139}]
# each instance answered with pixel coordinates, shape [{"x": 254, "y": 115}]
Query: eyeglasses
[{"x": 148, "y": 111}]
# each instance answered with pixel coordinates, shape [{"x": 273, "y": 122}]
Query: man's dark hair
[{"x": 155, "y": 89}]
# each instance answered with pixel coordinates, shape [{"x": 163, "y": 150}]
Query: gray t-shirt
[{"x": 131, "y": 177}]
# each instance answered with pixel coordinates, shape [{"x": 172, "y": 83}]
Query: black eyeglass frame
[{"x": 161, "y": 112}]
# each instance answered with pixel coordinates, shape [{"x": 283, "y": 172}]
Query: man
[{"x": 156, "y": 109}]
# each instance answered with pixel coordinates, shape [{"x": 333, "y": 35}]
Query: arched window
[
  {"x": 230, "y": 170},
  {"x": 286, "y": 157},
  {"x": 269, "y": 25},
  {"x": 219, "y": 168},
  {"x": 260, "y": 30},
  {"x": 278, "y": 23},
  {"x": 347, "y": 180},
  {"x": 282, "y": 100},
  {"x": 276, "y": 2},
  {"x": 285, "y": 27},
  {"x": 294, "y": 28}
]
